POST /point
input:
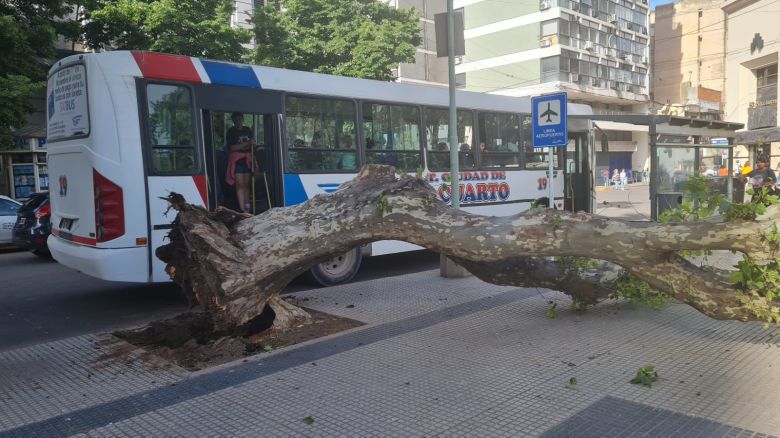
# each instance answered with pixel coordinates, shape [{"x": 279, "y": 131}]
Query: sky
[{"x": 654, "y": 3}]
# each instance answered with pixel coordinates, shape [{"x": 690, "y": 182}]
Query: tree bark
[{"x": 235, "y": 266}]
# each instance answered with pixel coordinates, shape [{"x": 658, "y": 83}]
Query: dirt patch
[{"x": 187, "y": 341}]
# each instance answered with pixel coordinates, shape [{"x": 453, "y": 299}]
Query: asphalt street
[{"x": 41, "y": 300}]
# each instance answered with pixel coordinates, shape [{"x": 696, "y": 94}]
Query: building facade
[
  {"x": 689, "y": 59},
  {"x": 426, "y": 69},
  {"x": 595, "y": 50},
  {"x": 752, "y": 48}
]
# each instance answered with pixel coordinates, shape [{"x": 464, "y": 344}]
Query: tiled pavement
[{"x": 438, "y": 357}]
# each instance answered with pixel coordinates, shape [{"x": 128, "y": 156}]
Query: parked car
[
  {"x": 33, "y": 224},
  {"x": 8, "y": 210}
]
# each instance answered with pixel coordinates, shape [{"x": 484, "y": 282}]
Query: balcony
[{"x": 762, "y": 116}]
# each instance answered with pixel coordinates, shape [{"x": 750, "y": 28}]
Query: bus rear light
[{"x": 109, "y": 208}]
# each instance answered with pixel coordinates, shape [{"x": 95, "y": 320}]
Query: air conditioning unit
[
  {"x": 545, "y": 43},
  {"x": 575, "y": 6},
  {"x": 613, "y": 19},
  {"x": 545, "y": 5},
  {"x": 643, "y": 30},
  {"x": 575, "y": 78},
  {"x": 643, "y": 59},
  {"x": 588, "y": 46},
  {"x": 630, "y": 26},
  {"x": 626, "y": 56}
]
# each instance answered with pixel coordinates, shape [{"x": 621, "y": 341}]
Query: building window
[
  {"x": 766, "y": 86},
  {"x": 766, "y": 77}
]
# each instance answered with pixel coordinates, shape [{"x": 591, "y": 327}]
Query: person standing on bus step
[{"x": 240, "y": 140}]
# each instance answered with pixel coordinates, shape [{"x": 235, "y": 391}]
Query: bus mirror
[{"x": 604, "y": 143}]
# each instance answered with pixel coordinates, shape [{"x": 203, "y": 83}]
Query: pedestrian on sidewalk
[
  {"x": 623, "y": 179},
  {"x": 615, "y": 179},
  {"x": 605, "y": 177}
]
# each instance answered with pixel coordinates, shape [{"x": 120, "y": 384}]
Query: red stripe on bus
[
  {"x": 200, "y": 183},
  {"x": 75, "y": 239},
  {"x": 167, "y": 67}
]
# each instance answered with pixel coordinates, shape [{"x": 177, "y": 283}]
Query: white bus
[{"x": 127, "y": 128}]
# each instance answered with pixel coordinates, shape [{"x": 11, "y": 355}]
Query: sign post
[{"x": 550, "y": 129}]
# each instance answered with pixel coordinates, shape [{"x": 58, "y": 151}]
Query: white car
[{"x": 8, "y": 210}]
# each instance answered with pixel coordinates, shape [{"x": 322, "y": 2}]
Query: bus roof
[{"x": 196, "y": 70}]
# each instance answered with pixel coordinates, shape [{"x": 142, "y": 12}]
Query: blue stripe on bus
[
  {"x": 294, "y": 193},
  {"x": 223, "y": 73},
  {"x": 329, "y": 188}
]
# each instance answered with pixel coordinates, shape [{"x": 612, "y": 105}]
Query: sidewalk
[{"x": 437, "y": 357}]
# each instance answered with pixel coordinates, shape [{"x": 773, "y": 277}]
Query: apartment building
[
  {"x": 426, "y": 69},
  {"x": 689, "y": 59},
  {"x": 595, "y": 50},
  {"x": 752, "y": 47}
]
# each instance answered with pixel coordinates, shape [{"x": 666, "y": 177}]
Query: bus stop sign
[{"x": 550, "y": 128}]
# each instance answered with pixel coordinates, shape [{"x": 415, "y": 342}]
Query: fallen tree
[{"x": 234, "y": 266}]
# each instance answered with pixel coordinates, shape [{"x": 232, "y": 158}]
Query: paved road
[{"x": 41, "y": 300}]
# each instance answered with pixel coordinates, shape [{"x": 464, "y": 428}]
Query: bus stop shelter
[{"x": 681, "y": 147}]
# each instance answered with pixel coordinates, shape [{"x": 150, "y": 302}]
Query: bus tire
[{"x": 339, "y": 269}]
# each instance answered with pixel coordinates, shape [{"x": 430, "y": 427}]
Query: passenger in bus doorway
[{"x": 240, "y": 141}]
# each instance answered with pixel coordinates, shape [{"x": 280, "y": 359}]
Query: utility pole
[{"x": 453, "y": 126}]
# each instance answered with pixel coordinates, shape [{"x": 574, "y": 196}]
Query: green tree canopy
[
  {"x": 359, "y": 38},
  {"x": 28, "y": 30},
  {"x": 186, "y": 27}
]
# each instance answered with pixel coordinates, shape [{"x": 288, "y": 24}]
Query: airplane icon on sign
[{"x": 549, "y": 113}]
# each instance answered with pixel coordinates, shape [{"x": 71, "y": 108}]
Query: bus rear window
[
  {"x": 171, "y": 129},
  {"x": 66, "y": 104}
]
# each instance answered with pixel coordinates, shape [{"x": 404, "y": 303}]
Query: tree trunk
[{"x": 235, "y": 266}]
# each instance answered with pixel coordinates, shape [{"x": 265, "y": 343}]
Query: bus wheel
[{"x": 339, "y": 269}]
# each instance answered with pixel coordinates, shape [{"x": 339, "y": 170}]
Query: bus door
[
  {"x": 578, "y": 179},
  {"x": 259, "y": 166},
  {"x": 259, "y": 112}
]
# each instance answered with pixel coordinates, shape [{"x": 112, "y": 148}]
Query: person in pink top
[{"x": 240, "y": 141}]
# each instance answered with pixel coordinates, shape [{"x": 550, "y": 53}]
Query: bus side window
[
  {"x": 500, "y": 140},
  {"x": 392, "y": 135},
  {"x": 536, "y": 158},
  {"x": 437, "y": 123},
  {"x": 321, "y": 134},
  {"x": 171, "y": 129}
]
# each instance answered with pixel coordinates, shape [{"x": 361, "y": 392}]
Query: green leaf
[
  {"x": 308, "y": 419},
  {"x": 551, "y": 311},
  {"x": 645, "y": 376}
]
